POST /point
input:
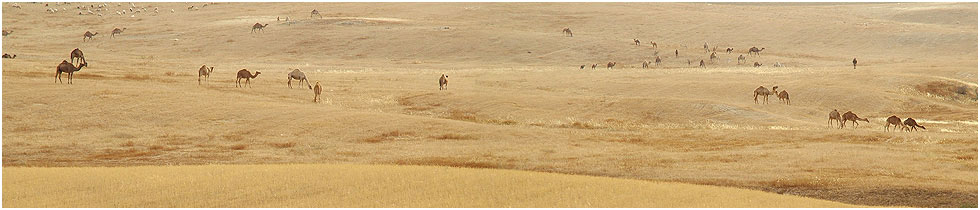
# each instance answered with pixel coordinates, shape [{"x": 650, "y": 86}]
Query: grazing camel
[
  {"x": 894, "y": 120},
  {"x": 853, "y": 118},
  {"x": 7, "y": 32},
  {"x": 300, "y": 76},
  {"x": 757, "y": 64},
  {"x": 116, "y": 31},
  {"x": 702, "y": 64},
  {"x": 855, "y": 62},
  {"x": 67, "y": 67},
  {"x": 316, "y": 92},
  {"x": 654, "y": 44},
  {"x": 646, "y": 64},
  {"x": 657, "y": 61},
  {"x": 205, "y": 72},
  {"x": 610, "y": 65},
  {"x": 729, "y": 50},
  {"x": 741, "y": 58},
  {"x": 444, "y": 82},
  {"x": 566, "y": 31},
  {"x": 259, "y": 26},
  {"x": 783, "y": 97},
  {"x": 317, "y": 13},
  {"x": 912, "y": 124},
  {"x": 89, "y": 35},
  {"x": 834, "y": 116},
  {"x": 755, "y": 50},
  {"x": 76, "y": 53},
  {"x": 5, "y": 55},
  {"x": 636, "y": 42},
  {"x": 247, "y": 75},
  {"x": 761, "y": 91},
  {"x": 594, "y": 65}
]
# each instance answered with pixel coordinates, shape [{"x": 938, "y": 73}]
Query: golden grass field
[
  {"x": 517, "y": 99},
  {"x": 357, "y": 186}
]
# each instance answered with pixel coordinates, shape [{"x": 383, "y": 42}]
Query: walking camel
[
  {"x": 67, "y": 67},
  {"x": 894, "y": 120},
  {"x": 259, "y": 26},
  {"x": 317, "y": 13},
  {"x": 567, "y": 31},
  {"x": 646, "y": 64},
  {"x": 205, "y": 72},
  {"x": 762, "y": 91},
  {"x": 316, "y": 92},
  {"x": 298, "y": 75},
  {"x": 636, "y": 41},
  {"x": 76, "y": 53},
  {"x": 658, "y": 60},
  {"x": 853, "y": 118},
  {"x": 247, "y": 75},
  {"x": 912, "y": 124},
  {"x": 755, "y": 50},
  {"x": 444, "y": 82},
  {"x": 89, "y": 35},
  {"x": 757, "y": 64},
  {"x": 116, "y": 31},
  {"x": 654, "y": 44},
  {"x": 594, "y": 65},
  {"x": 834, "y": 116},
  {"x": 729, "y": 50},
  {"x": 610, "y": 65}
]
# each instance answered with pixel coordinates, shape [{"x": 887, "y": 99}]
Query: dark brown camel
[
  {"x": 247, "y": 75},
  {"x": 894, "y": 120},
  {"x": 76, "y": 53},
  {"x": 205, "y": 72},
  {"x": 912, "y": 124},
  {"x": 855, "y": 62},
  {"x": 260, "y": 27},
  {"x": 67, "y": 67},
  {"x": 849, "y": 116}
]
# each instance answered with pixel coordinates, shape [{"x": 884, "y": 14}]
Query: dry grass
[
  {"x": 137, "y": 77},
  {"x": 282, "y": 145},
  {"x": 388, "y": 136},
  {"x": 333, "y": 186},
  {"x": 238, "y": 147},
  {"x": 949, "y": 90},
  {"x": 453, "y": 136}
]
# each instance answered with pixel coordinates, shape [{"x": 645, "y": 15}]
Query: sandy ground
[
  {"x": 302, "y": 186},
  {"x": 517, "y": 98}
]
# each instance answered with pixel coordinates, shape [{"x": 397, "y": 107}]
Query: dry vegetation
[{"x": 517, "y": 98}]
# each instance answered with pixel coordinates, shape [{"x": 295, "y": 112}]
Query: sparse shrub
[
  {"x": 283, "y": 144},
  {"x": 453, "y": 136},
  {"x": 238, "y": 147},
  {"x": 386, "y": 136},
  {"x": 128, "y": 144}
]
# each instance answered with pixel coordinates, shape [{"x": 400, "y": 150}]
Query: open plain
[{"x": 517, "y": 98}]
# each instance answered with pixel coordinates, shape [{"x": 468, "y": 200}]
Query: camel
[
  {"x": 777, "y": 64},
  {"x": 762, "y": 91},
  {"x": 5, "y": 55},
  {"x": 855, "y": 62},
  {"x": 705, "y": 47},
  {"x": 755, "y": 50},
  {"x": 316, "y": 92},
  {"x": 658, "y": 60},
  {"x": 894, "y": 120},
  {"x": 853, "y": 118},
  {"x": 834, "y": 116},
  {"x": 444, "y": 82},
  {"x": 729, "y": 50},
  {"x": 712, "y": 57},
  {"x": 654, "y": 44},
  {"x": 76, "y": 53},
  {"x": 7, "y": 32},
  {"x": 89, "y": 35},
  {"x": 757, "y": 64},
  {"x": 702, "y": 64},
  {"x": 646, "y": 64},
  {"x": 300, "y": 76},
  {"x": 259, "y": 26},
  {"x": 912, "y": 124},
  {"x": 783, "y": 97},
  {"x": 610, "y": 65},
  {"x": 582, "y": 67},
  {"x": 67, "y": 67},
  {"x": 594, "y": 65},
  {"x": 676, "y": 54},
  {"x": 116, "y": 31},
  {"x": 636, "y": 41},
  {"x": 741, "y": 58},
  {"x": 317, "y": 13},
  {"x": 247, "y": 75},
  {"x": 206, "y": 72},
  {"x": 567, "y": 31}
]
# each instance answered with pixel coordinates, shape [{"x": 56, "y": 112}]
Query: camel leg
[
  {"x": 69, "y": 76},
  {"x": 239, "y": 82},
  {"x": 248, "y": 83},
  {"x": 290, "y": 83}
]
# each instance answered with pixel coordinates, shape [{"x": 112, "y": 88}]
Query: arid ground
[{"x": 517, "y": 98}]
